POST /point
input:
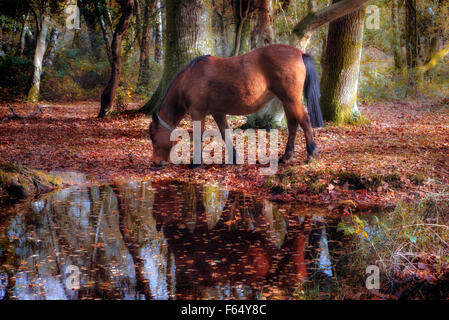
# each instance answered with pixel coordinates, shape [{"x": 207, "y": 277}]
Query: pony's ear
[{"x": 155, "y": 118}]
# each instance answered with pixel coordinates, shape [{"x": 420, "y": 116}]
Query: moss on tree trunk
[
  {"x": 341, "y": 68},
  {"x": 188, "y": 35}
]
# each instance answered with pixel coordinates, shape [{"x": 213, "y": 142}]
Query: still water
[{"x": 166, "y": 240}]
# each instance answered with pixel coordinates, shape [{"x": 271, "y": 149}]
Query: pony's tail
[{"x": 312, "y": 92}]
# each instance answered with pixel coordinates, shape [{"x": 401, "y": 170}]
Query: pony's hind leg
[
  {"x": 222, "y": 124},
  {"x": 292, "y": 123},
  {"x": 296, "y": 115}
]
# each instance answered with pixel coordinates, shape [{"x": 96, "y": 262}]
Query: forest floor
[{"x": 401, "y": 153}]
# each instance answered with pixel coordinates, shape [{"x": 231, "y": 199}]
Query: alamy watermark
[
  {"x": 73, "y": 17},
  {"x": 72, "y": 281},
  {"x": 212, "y": 153},
  {"x": 372, "y": 19},
  {"x": 372, "y": 281}
]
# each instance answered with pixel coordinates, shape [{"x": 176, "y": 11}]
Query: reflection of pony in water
[
  {"x": 239, "y": 248},
  {"x": 300, "y": 250},
  {"x": 242, "y": 247},
  {"x": 241, "y": 86},
  {"x": 205, "y": 256}
]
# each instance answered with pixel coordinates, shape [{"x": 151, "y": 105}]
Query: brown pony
[{"x": 240, "y": 86}]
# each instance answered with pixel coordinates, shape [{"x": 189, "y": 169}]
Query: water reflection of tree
[
  {"x": 142, "y": 285},
  {"x": 162, "y": 241},
  {"x": 145, "y": 242},
  {"x": 66, "y": 230}
]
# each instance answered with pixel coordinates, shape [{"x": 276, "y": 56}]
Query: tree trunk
[
  {"x": 265, "y": 31},
  {"x": 411, "y": 45},
  {"x": 243, "y": 10},
  {"x": 158, "y": 34},
  {"x": 41, "y": 46},
  {"x": 87, "y": 10},
  {"x": 104, "y": 30},
  {"x": 21, "y": 46},
  {"x": 144, "y": 65},
  {"x": 272, "y": 115},
  {"x": 188, "y": 34},
  {"x": 107, "y": 98},
  {"x": 434, "y": 42},
  {"x": 224, "y": 37},
  {"x": 52, "y": 46},
  {"x": 396, "y": 36},
  {"x": 341, "y": 68}
]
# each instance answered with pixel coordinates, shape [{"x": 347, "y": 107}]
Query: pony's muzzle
[{"x": 160, "y": 163}]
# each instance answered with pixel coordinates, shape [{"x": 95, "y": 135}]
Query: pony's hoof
[
  {"x": 158, "y": 165},
  {"x": 312, "y": 156},
  {"x": 310, "y": 159},
  {"x": 285, "y": 160}
]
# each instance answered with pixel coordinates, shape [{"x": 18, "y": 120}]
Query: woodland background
[
  {"x": 50, "y": 53},
  {"x": 76, "y": 92}
]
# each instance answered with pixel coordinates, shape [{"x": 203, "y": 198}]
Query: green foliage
[
  {"x": 380, "y": 79},
  {"x": 377, "y": 84},
  {"x": 15, "y": 76},
  {"x": 6, "y": 25},
  {"x": 382, "y": 82},
  {"x": 74, "y": 77},
  {"x": 143, "y": 91}
]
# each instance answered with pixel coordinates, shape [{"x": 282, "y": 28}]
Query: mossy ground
[{"x": 19, "y": 182}]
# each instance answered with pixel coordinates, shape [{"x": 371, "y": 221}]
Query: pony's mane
[{"x": 188, "y": 66}]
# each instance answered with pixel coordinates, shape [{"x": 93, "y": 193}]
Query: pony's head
[{"x": 160, "y": 137}]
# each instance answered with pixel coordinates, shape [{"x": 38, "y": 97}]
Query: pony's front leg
[{"x": 199, "y": 124}]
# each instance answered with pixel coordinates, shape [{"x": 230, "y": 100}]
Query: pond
[{"x": 168, "y": 240}]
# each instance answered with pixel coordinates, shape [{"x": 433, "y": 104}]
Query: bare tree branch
[
  {"x": 15, "y": 116},
  {"x": 314, "y": 20}
]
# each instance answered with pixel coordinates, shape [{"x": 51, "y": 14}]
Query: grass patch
[
  {"x": 265, "y": 122},
  {"x": 280, "y": 182},
  {"x": 409, "y": 244}
]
